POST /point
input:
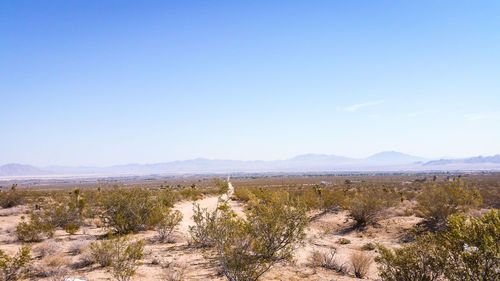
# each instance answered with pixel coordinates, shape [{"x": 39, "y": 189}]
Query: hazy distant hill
[
  {"x": 19, "y": 170},
  {"x": 495, "y": 159},
  {"x": 383, "y": 161},
  {"x": 394, "y": 157}
]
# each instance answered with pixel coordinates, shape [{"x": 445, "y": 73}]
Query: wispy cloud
[
  {"x": 482, "y": 116},
  {"x": 355, "y": 107}
]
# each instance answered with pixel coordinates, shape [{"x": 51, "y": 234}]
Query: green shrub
[
  {"x": 203, "y": 226},
  {"x": 468, "y": 250},
  {"x": 120, "y": 254},
  {"x": 472, "y": 247},
  {"x": 343, "y": 241},
  {"x": 11, "y": 198},
  {"x": 366, "y": 206},
  {"x": 15, "y": 267},
  {"x": 170, "y": 219},
  {"x": 437, "y": 202},
  {"x": 417, "y": 261},
  {"x": 247, "y": 248},
  {"x": 368, "y": 247},
  {"x": 130, "y": 210},
  {"x": 34, "y": 230}
]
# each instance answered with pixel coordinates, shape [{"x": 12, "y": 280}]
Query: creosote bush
[
  {"x": 366, "y": 206},
  {"x": 166, "y": 225},
  {"x": 120, "y": 254},
  {"x": 437, "y": 202},
  {"x": 34, "y": 230},
  {"x": 11, "y": 198},
  {"x": 467, "y": 250},
  {"x": 15, "y": 267},
  {"x": 247, "y": 248},
  {"x": 130, "y": 210}
]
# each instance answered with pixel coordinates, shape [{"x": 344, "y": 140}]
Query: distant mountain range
[{"x": 383, "y": 161}]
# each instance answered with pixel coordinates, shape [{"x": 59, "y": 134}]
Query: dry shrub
[
  {"x": 174, "y": 272},
  {"x": 78, "y": 247},
  {"x": 327, "y": 260},
  {"x": 53, "y": 267},
  {"x": 360, "y": 264},
  {"x": 86, "y": 259},
  {"x": 45, "y": 249}
]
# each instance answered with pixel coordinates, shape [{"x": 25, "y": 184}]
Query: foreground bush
[
  {"x": 169, "y": 221},
  {"x": 436, "y": 203},
  {"x": 130, "y": 210},
  {"x": 34, "y": 230},
  {"x": 15, "y": 267},
  {"x": 120, "y": 254},
  {"x": 467, "y": 251},
  {"x": 246, "y": 249},
  {"x": 367, "y": 206}
]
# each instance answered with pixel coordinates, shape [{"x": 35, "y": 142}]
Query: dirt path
[{"x": 186, "y": 208}]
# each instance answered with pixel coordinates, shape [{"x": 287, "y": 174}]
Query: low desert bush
[
  {"x": 343, "y": 241},
  {"x": 11, "y": 198},
  {"x": 78, "y": 247},
  {"x": 169, "y": 221},
  {"x": 15, "y": 267},
  {"x": 247, "y": 248},
  {"x": 360, "y": 264},
  {"x": 174, "y": 272},
  {"x": 417, "y": 261},
  {"x": 54, "y": 268},
  {"x": 201, "y": 231},
  {"x": 366, "y": 206},
  {"x": 130, "y": 210},
  {"x": 34, "y": 230},
  {"x": 368, "y": 247},
  {"x": 328, "y": 260},
  {"x": 467, "y": 249},
  {"x": 120, "y": 254},
  {"x": 437, "y": 202},
  {"x": 45, "y": 249}
]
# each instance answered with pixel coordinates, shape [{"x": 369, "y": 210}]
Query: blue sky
[{"x": 113, "y": 82}]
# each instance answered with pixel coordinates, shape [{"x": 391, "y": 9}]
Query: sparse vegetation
[
  {"x": 120, "y": 254},
  {"x": 130, "y": 210},
  {"x": 467, "y": 250},
  {"x": 169, "y": 221},
  {"x": 360, "y": 264},
  {"x": 437, "y": 202},
  {"x": 246, "y": 249},
  {"x": 15, "y": 267}
]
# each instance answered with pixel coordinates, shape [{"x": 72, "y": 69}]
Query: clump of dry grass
[
  {"x": 174, "y": 272},
  {"x": 78, "y": 247},
  {"x": 327, "y": 260},
  {"x": 360, "y": 264},
  {"x": 53, "y": 267},
  {"x": 45, "y": 249}
]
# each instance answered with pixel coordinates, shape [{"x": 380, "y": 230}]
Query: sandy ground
[{"x": 322, "y": 234}]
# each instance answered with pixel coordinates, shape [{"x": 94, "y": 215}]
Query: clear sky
[{"x": 114, "y": 82}]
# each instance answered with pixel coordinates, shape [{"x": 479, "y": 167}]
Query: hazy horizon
[{"x": 93, "y": 83}]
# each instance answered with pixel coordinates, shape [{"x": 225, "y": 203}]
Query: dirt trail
[{"x": 209, "y": 202}]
